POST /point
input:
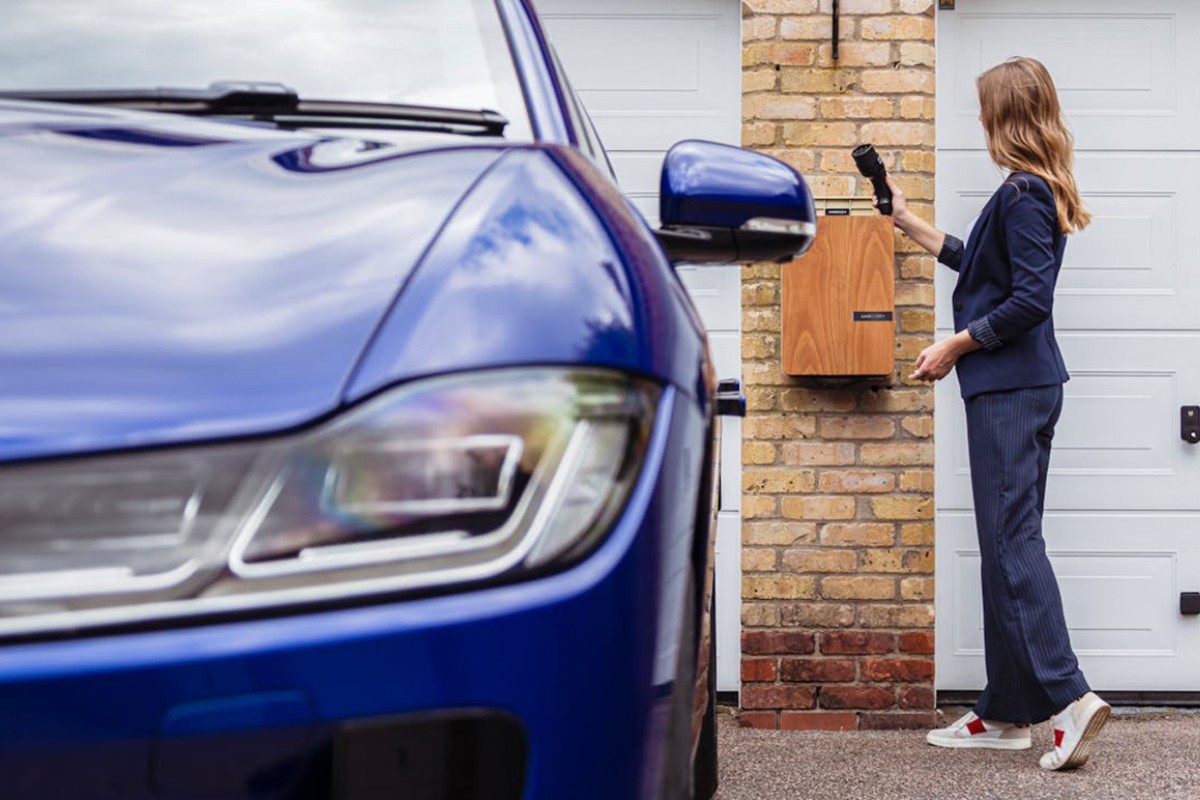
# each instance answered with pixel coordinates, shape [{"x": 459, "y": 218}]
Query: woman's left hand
[{"x": 936, "y": 361}]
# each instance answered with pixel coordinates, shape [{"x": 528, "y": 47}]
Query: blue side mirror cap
[{"x": 720, "y": 204}]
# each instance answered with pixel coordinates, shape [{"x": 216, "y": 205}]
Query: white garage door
[
  {"x": 1123, "y": 503},
  {"x": 653, "y": 72}
]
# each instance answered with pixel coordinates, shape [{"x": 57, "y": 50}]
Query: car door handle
[
  {"x": 1189, "y": 424},
  {"x": 730, "y": 400}
]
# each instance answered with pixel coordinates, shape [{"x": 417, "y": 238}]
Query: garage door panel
[
  {"x": 710, "y": 288},
  {"x": 1129, "y": 247},
  {"x": 649, "y": 78},
  {"x": 638, "y": 172},
  {"x": 1116, "y": 602},
  {"x": 1121, "y": 599},
  {"x": 639, "y": 175},
  {"x": 1137, "y": 267},
  {"x": 644, "y": 130},
  {"x": 655, "y": 54},
  {"x": 1117, "y": 444},
  {"x": 1116, "y": 65},
  {"x": 1087, "y": 444}
]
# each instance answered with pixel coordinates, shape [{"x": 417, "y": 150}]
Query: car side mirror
[{"x": 720, "y": 204}]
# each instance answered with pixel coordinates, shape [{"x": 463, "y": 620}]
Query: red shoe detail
[
  {"x": 1058, "y": 737},
  {"x": 976, "y": 727}
]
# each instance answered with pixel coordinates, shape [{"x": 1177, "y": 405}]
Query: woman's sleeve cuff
[
  {"x": 981, "y": 331},
  {"x": 951, "y": 252}
]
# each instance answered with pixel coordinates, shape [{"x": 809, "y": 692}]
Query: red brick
[
  {"x": 817, "y": 670},
  {"x": 916, "y": 697},
  {"x": 839, "y": 721},
  {"x": 762, "y": 695},
  {"x": 869, "y": 697},
  {"x": 903, "y": 670},
  {"x": 917, "y": 642},
  {"x": 899, "y": 720},
  {"x": 761, "y": 670},
  {"x": 857, "y": 643},
  {"x": 757, "y": 643},
  {"x": 765, "y": 720}
]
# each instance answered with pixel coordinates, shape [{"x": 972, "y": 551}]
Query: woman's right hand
[
  {"x": 911, "y": 224},
  {"x": 899, "y": 204}
]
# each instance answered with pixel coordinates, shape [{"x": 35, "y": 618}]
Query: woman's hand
[
  {"x": 936, "y": 361},
  {"x": 911, "y": 223},
  {"x": 900, "y": 213}
]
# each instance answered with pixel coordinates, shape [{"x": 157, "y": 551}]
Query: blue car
[{"x": 356, "y": 433}]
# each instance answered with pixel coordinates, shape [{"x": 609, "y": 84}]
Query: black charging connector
[{"x": 871, "y": 166}]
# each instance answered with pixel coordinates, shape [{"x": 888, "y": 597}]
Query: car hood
[{"x": 165, "y": 279}]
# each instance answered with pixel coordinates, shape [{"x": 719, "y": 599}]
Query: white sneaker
[
  {"x": 1074, "y": 729},
  {"x": 971, "y": 731}
]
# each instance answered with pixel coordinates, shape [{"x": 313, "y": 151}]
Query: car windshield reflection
[{"x": 452, "y": 53}]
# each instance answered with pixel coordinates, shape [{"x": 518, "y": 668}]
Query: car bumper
[{"x": 567, "y": 669}]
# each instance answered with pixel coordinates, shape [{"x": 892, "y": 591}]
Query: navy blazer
[{"x": 1005, "y": 290}]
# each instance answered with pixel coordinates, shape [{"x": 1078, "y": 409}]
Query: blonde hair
[{"x": 1026, "y": 132}]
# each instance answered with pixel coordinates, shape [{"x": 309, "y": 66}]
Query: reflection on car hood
[{"x": 166, "y": 279}]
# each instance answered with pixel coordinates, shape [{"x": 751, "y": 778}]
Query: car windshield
[{"x": 450, "y": 53}]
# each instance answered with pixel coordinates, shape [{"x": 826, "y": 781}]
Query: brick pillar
[{"x": 837, "y": 510}]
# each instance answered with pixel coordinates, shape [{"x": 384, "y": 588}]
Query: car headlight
[{"x": 440, "y": 482}]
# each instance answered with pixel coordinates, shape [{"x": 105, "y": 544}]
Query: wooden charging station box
[{"x": 839, "y": 298}]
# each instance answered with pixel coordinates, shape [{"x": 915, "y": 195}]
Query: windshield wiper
[{"x": 274, "y": 102}]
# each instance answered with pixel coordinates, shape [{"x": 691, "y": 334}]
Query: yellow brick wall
[{"x": 837, "y": 530}]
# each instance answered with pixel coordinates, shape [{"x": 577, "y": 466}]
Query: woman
[{"x": 1011, "y": 374}]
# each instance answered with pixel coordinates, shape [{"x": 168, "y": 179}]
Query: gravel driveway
[{"x": 1140, "y": 755}]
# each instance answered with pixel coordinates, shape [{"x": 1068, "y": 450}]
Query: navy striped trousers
[{"x": 1032, "y": 672}]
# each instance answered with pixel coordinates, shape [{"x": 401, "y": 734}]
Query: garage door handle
[
  {"x": 1189, "y": 417},
  {"x": 1189, "y": 603}
]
